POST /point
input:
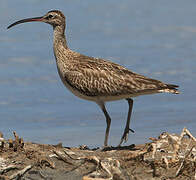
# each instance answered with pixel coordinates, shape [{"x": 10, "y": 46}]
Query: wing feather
[{"x": 97, "y": 77}]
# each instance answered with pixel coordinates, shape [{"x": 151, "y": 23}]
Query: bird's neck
[{"x": 59, "y": 37}]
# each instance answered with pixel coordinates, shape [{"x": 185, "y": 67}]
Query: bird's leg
[
  {"x": 127, "y": 129},
  {"x": 108, "y": 121}
]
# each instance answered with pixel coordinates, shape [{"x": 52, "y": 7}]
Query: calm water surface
[{"x": 155, "y": 38}]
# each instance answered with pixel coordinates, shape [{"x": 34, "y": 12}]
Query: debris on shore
[{"x": 169, "y": 156}]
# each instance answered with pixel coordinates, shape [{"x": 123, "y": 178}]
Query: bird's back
[{"x": 94, "y": 77}]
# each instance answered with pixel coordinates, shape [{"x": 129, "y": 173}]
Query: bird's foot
[
  {"x": 104, "y": 148},
  {"x": 131, "y": 130},
  {"x": 125, "y": 136}
]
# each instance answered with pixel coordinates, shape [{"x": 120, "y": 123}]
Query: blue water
[{"x": 155, "y": 38}]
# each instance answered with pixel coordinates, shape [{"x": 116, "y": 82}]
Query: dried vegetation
[{"x": 169, "y": 156}]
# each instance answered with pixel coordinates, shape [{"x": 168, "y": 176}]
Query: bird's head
[{"x": 54, "y": 18}]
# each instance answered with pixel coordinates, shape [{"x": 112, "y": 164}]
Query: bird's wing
[{"x": 98, "y": 77}]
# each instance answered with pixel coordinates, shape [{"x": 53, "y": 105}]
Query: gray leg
[
  {"x": 127, "y": 129},
  {"x": 108, "y": 121}
]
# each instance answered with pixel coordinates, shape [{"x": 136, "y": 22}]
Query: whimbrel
[{"x": 96, "y": 79}]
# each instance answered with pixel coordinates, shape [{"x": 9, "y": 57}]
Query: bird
[{"x": 97, "y": 79}]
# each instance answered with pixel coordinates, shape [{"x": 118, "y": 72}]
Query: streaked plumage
[
  {"x": 100, "y": 78},
  {"x": 97, "y": 79}
]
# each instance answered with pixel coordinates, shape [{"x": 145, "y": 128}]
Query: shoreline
[{"x": 168, "y": 156}]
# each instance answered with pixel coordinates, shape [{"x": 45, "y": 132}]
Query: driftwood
[
  {"x": 21, "y": 172},
  {"x": 169, "y": 156}
]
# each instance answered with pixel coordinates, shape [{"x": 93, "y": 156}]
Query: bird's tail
[{"x": 171, "y": 88}]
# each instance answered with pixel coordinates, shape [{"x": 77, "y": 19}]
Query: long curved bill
[{"x": 26, "y": 20}]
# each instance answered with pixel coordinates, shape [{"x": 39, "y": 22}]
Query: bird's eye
[{"x": 49, "y": 17}]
